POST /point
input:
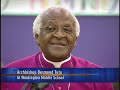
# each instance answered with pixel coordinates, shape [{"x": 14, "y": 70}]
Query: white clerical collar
[{"x": 57, "y": 64}]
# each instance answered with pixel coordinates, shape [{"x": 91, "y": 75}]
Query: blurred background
[{"x": 98, "y": 41}]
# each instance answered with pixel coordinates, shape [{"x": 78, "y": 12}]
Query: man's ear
[
  {"x": 75, "y": 42},
  {"x": 37, "y": 38}
]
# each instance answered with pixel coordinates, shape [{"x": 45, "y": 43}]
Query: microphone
[
  {"x": 36, "y": 86},
  {"x": 39, "y": 86}
]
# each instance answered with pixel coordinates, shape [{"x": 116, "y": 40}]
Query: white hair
[{"x": 37, "y": 24}]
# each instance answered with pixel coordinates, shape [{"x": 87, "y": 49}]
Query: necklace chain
[{"x": 59, "y": 88}]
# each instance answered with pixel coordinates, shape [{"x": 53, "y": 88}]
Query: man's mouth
[{"x": 58, "y": 44}]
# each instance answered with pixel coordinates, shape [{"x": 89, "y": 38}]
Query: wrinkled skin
[{"x": 57, "y": 44}]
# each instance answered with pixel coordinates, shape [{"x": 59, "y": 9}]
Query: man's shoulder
[
  {"x": 83, "y": 63},
  {"x": 26, "y": 62}
]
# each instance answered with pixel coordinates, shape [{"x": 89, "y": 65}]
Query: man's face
[{"x": 57, "y": 38}]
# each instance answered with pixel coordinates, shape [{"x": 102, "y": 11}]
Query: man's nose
[{"x": 59, "y": 34}]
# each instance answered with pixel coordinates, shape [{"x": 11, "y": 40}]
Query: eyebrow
[{"x": 50, "y": 21}]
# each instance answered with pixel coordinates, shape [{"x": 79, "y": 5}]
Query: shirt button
[{"x": 59, "y": 88}]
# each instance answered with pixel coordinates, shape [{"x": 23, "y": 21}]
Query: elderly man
[{"x": 56, "y": 31}]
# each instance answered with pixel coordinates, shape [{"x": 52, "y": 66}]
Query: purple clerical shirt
[{"x": 35, "y": 61}]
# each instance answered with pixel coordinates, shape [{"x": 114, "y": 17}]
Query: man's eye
[
  {"x": 50, "y": 28},
  {"x": 67, "y": 29}
]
